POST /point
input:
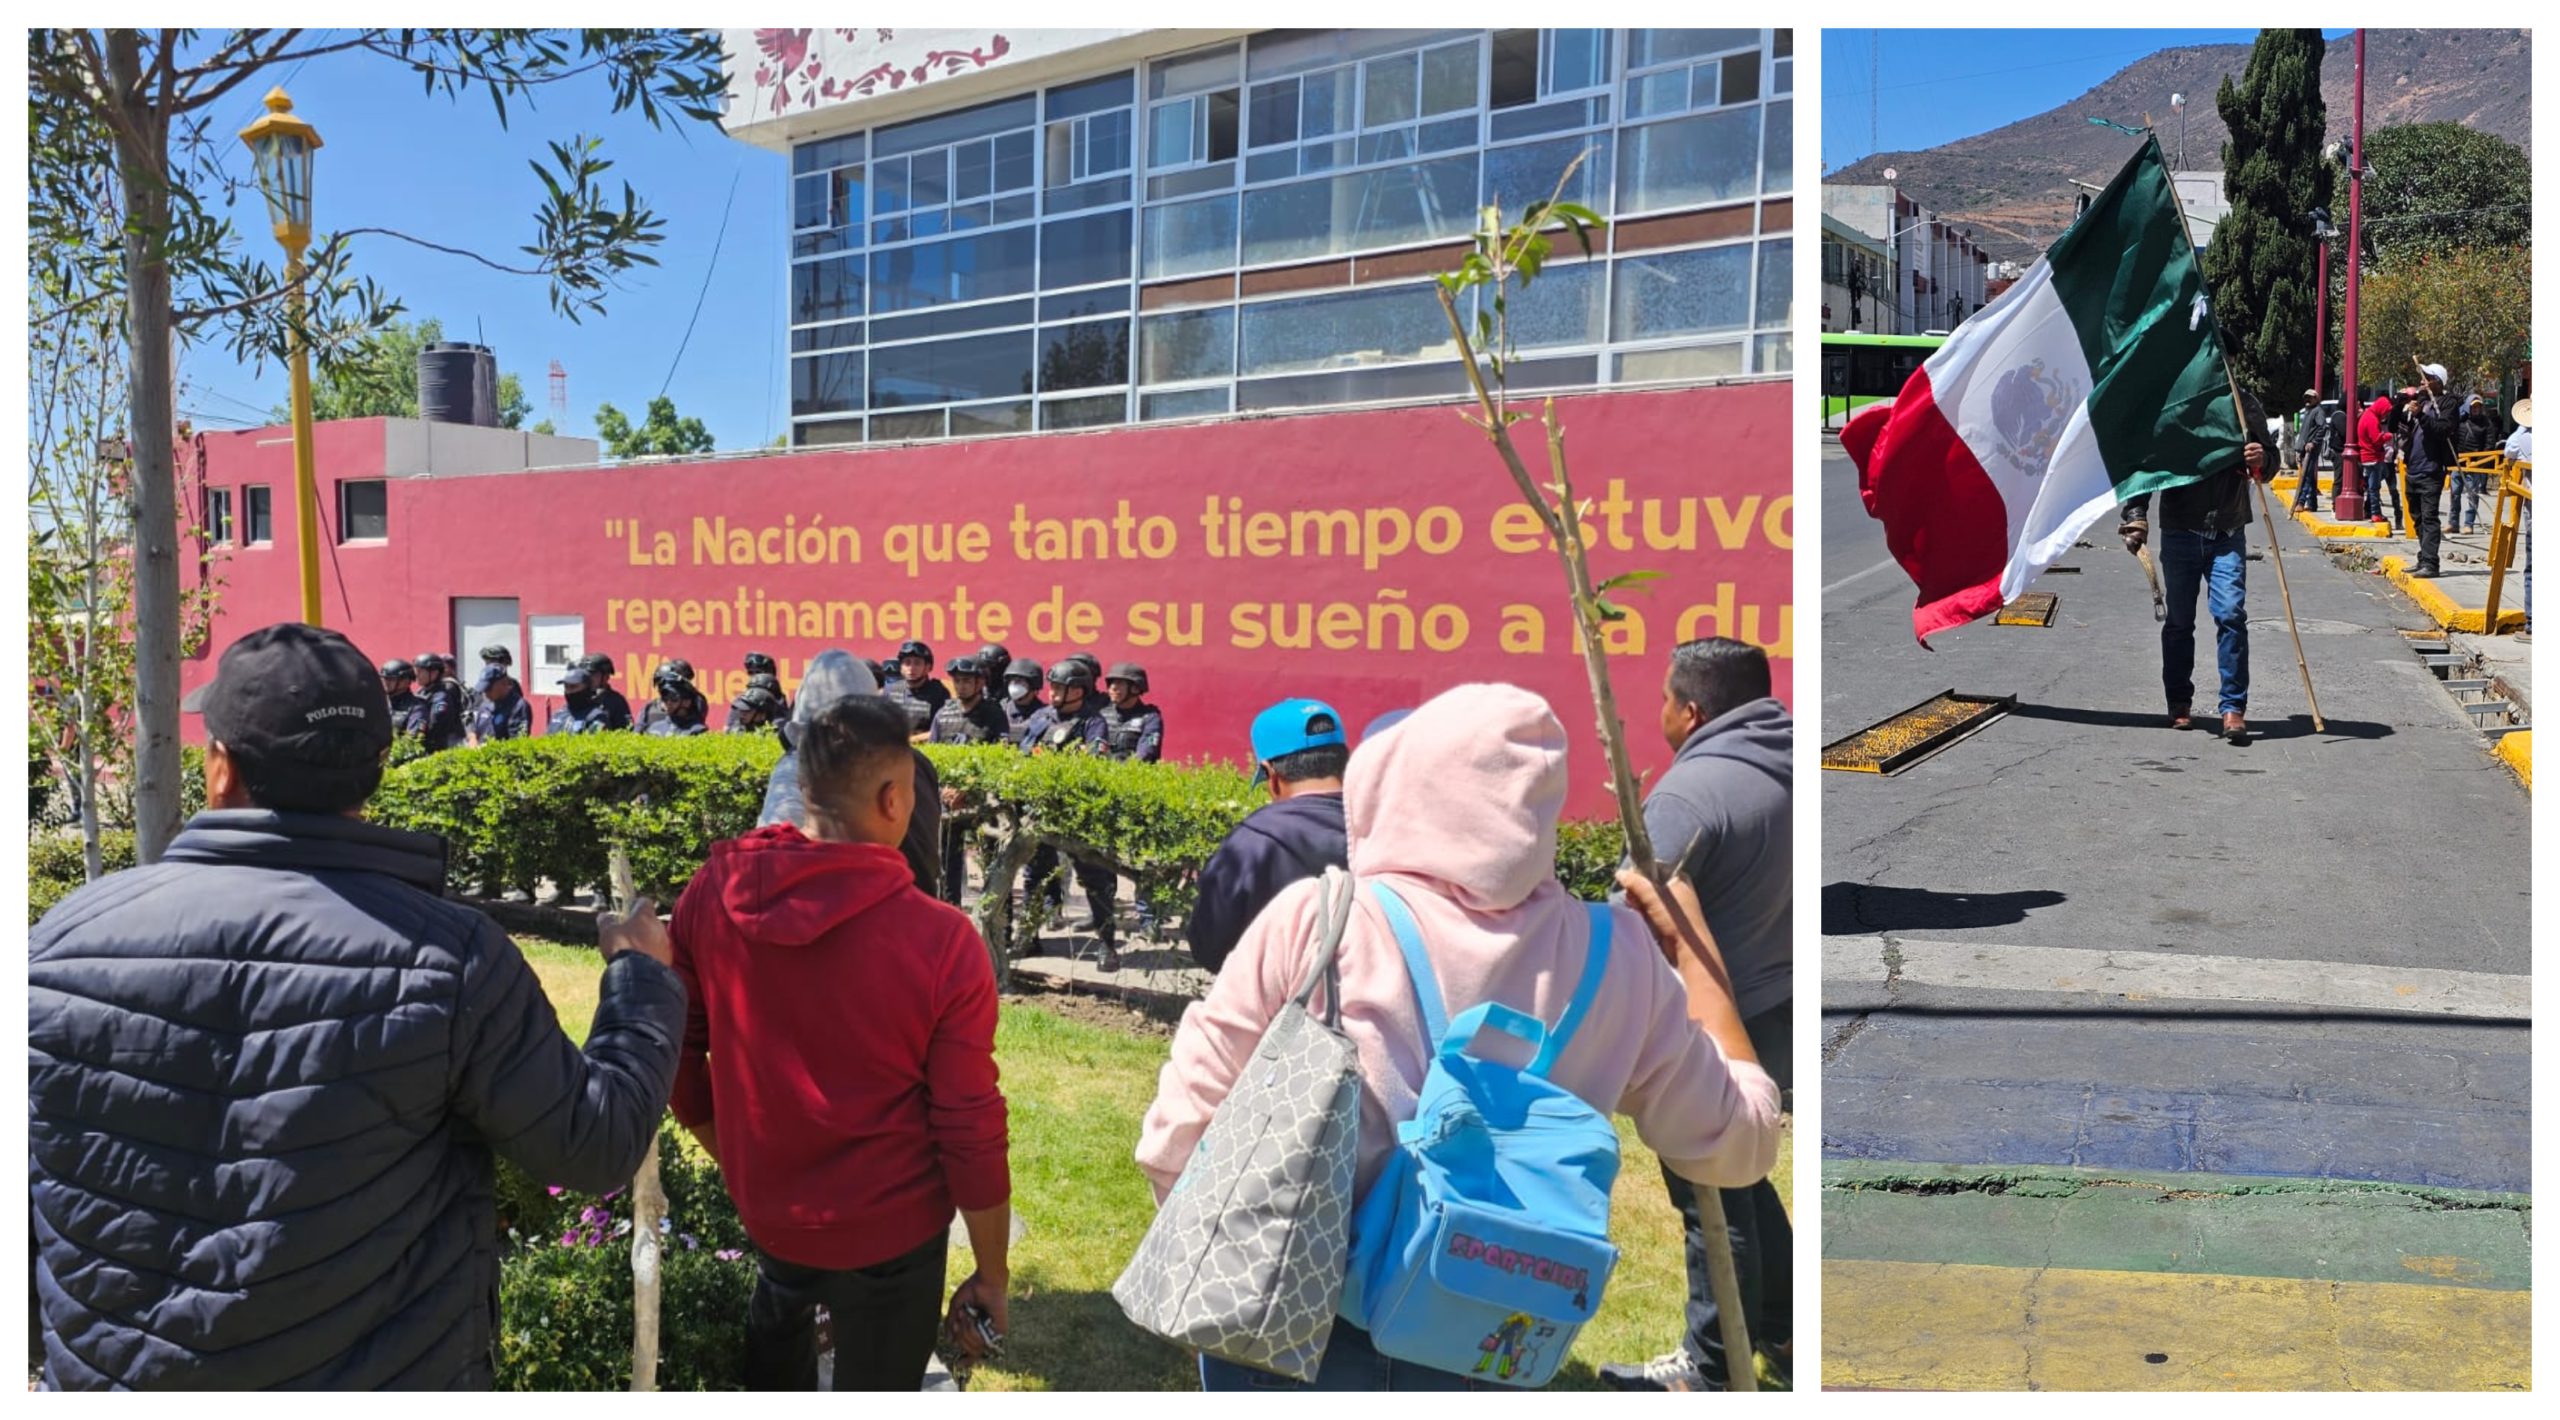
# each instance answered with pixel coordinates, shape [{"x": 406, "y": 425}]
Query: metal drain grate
[
  {"x": 1896, "y": 742},
  {"x": 2030, "y": 609}
]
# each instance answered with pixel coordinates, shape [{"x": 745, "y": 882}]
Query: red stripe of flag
[{"x": 1943, "y": 520}]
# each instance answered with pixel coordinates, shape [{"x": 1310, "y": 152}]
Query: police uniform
[
  {"x": 921, "y": 701},
  {"x": 1018, "y": 710},
  {"x": 982, "y": 723},
  {"x": 1137, "y": 732},
  {"x": 1055, "y": 731},
  {"x": 408, "y": 708},
  {"x": 441, "y": 721},
  {"x": 612, "y": 711}
]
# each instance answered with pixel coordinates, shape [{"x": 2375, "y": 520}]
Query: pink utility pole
[{"x": 2349, "y": 505}]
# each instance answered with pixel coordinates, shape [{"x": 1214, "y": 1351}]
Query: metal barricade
[{"x": 2506, "y": 518}]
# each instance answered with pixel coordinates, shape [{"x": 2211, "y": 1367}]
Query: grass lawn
[{"x": 1077, "y": 1092}]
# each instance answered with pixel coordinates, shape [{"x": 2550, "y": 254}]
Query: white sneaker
[{"x": 1673, "y": 1370}]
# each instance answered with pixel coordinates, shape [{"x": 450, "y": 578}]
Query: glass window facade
[
  {"x": 258, "y": 515},
  {"x": 1254, "y": 225}
]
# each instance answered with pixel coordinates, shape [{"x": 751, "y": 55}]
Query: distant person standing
[
  {"x": 1726, "y": 806},
  {"x": 2204, "y": 547},
  {"x": 614, "y": 710},
  {"x": 915, "y": 691},
  {"x": 1022, "y": 700},
  {"x": 502, "y": 713},
  {"x": 400, "y": 688},
  {"x": 2519, "y": 449},
  {"x": 582, "y": 708},
  {"x": 967, "y": 718},
  {"x": 1072, "y": 723},
  {"x": 2377, "y": 461},
  {"x": 2477, "y": 433},
  {"x": 441, "y": 721},
  {"x": 2309, "y": 442},
  {"x": 1299, "y": 753},
  {"x": 679, "y": 709},
  {"x": 2431, "y": 416}
]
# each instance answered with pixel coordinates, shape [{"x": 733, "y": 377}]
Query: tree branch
[
  {"x": 449, "y": 251},
  {"x": 246, "y": 69}
]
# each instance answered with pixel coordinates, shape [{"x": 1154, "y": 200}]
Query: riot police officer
[
  {"x": 502, "y": 712},
  {"x": 582, "y": 709},
  {"x": 441, "y": 726},
  {"x": 969, "y": 717},
  {"x": 1022, "y": 698},
  {"x": 1134, "y": 728},
  {"x": 755, "y": 709},
  {"x": 679, "y": 709},
  {"x": 611, "y": 710},
  {"x": 915, "y": 689},
  {"x": 1072, "y": 723},
  {"x": 400, "y": 687},
  {"x": 993, "y": 659}
]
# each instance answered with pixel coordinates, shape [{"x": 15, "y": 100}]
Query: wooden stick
[
  {"x": 2275, "y": 547},
  {"x": 2159, "y": 599},
  {"x": 648, "y": 1200}
]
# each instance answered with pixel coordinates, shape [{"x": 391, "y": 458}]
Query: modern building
[
  {"x": 1129, "y": 341},
  {"x": 1940, "y": 272},
  {"x": 1007, "y": 231},
  {"x": 1857, "y": 281}
]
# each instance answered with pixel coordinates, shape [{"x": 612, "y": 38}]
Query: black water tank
[{"x": 458, "y": 384}]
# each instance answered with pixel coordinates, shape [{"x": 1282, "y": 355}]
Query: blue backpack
[{"x": 1484, "y": 1246}]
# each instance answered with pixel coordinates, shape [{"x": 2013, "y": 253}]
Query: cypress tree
[{"x": 2261, "y": 263}]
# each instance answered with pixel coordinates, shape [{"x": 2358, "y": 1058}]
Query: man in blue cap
[{"x": 1299, "y": 750}]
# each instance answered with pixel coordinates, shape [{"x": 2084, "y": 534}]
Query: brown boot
[
  {"x": 2182, "y": 717},
  {"x": 2235, "y": 727}
]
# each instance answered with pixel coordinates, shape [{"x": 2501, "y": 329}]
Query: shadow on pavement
[
  {"x": 1849, "y": 909},
  {"x": 2208, "y": 723}
]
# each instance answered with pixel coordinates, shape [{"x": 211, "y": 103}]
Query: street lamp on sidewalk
[
  {"x": 282, "y": 145},
  {"x": 2323, "y": 233},
  {"x": 2348, "y": 506}
]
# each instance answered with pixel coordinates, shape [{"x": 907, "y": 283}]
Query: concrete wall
[{"x": 1185, "y": 563}]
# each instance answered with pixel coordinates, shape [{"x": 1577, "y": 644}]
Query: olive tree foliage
[
  {"x": 193, "y": 262},
  {"x": 2470, "y": 310}
]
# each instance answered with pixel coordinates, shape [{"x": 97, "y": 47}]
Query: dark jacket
[
  {"x": 617, "y": 710},
  {"x": 2477, "y": 431},
  {"x": 2216, "y": 503},
  {"x": 692, "y": 718},
  {"x": 409, "y": 713},
  {"x": 1136, "y": 733},
  {"x": 266, "y": 1077},
  {"x": 1276, "y": 845},
  {"x": 1017, "y": 717},
  {"x": 1054, "y": 729},
  {"x": 441, "y": 719},
  {"x": 507, "y": 719},
  {"x": 1727, "y": 805},
  {"x": 979, "y": 724},
  {"x": 582, "y": 714},
  {"x": 2431, "y": 435}
]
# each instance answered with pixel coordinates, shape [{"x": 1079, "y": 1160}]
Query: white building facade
[
  {"x": 1940, "y": 272},
  {"x": 1002, "y": 231}
]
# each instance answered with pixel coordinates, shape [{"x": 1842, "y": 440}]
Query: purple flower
[
  {"x": 555, "y": 1190},
  {"x": 728, "y": 1254},
  {"x": 569, "y": 1238},
  {"x": 689, "y": 1240}
]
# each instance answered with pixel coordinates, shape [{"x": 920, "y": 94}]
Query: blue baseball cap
[{"x": 1290, "y": 726}]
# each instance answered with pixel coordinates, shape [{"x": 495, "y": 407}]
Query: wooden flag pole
[
  {"x": 648, "y": 1200},
  {"x": 2275, "y": 548}
]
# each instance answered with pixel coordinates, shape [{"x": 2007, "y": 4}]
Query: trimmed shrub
[
  {"x": 1588, "y": 852},
  {"x": 56, "y": 865},
  {"x": 565, "y": 1318}
]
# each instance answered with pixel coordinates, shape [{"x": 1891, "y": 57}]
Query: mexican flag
[{"x": 2098, "y": 376}]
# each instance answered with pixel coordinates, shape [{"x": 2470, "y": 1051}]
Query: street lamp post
[
  {"x": 2323, "y": 233},
  {"x": 2179, "y": 102},
  {"x": 2349, "y": 504},
  {"x": 282, "y": 146}
]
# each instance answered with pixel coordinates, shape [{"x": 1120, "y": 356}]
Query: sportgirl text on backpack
[{"x": 1484, "y": 1246}]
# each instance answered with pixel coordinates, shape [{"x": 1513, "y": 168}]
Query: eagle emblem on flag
[{"x": 2029, "y": 406}]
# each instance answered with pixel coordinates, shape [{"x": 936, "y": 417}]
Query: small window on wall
[
  {"x": 217, "y": 515},
  {"x": 364, "y": 510},
  {"x": 259, "y": 501}
]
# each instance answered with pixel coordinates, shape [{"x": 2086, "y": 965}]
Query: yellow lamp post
[{"x": 282, "y": 145}]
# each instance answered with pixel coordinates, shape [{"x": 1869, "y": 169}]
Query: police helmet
[
  {"x": 995, "y": 658},
  {"x": 1131, "y": 672},
  {"x": 398, "y": 669},
  {"x": 759, "y": 700},
  {"x": 758, "y": 663},
  {"x": 766, "y": 681},
  {"x": 669, "y": 675},
  {"x": 680, "y": 666},
  {"x": 1071, "y": 672},
  {"x": 432, "y": 661},
  {"x": 966, "y": 665},
  {"x": 915, "y": 648},
  {"x": 1092, "y": 662},
  {"x": 1025, "y": 669},
  {"x": 497, "y": 656},
  {"x": 596, "y": 663}
]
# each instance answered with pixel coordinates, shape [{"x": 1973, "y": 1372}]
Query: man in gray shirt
[{"x": 1726, "y": 809}]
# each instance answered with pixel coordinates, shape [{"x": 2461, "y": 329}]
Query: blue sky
[
  {"x": 445, "y": 170},
  {"x": 1935, "y": 86}
]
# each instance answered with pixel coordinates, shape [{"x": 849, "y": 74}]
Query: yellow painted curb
[
  {"x": 2443, "y": 609},
  {"x": 2323, "y": 527},
  {"x": 1951, "y": 1326},
  {"x": 2517, "y": 750}
]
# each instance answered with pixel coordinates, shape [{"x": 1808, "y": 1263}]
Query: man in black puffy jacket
[{"x": 268, "y": 1075}]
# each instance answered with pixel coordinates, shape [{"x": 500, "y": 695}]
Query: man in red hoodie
[{"x": 839, "y": 1062}]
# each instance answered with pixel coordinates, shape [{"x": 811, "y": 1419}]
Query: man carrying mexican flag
[{"x": 2094, "y": 383}]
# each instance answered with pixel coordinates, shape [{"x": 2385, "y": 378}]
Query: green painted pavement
[{"x": 2211, "y": 1224}]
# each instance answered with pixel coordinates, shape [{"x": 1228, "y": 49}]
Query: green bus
[{"x": 1859, "y": 368}]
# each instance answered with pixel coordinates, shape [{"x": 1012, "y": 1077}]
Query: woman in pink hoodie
[{"x": 1456, "y": 808}]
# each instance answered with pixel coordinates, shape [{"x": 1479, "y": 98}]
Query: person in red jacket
[
  {"x": 839, "y": 1062},
  {"x": 2380, "y": 464}
]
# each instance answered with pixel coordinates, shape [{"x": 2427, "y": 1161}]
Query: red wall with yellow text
[{"x": 1171, "y": 546}]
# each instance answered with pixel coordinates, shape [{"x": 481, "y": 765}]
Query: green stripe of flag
[{"x": 2126, "y": 273}]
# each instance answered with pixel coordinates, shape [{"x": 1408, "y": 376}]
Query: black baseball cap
[{"x": 303, "y": 712}]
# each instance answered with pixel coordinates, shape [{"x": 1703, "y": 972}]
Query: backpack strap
[
  {"x": 1426, "y": 987},
  {"x": 1595, "y": 965}
]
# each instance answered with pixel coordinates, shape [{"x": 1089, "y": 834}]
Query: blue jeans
[
  {"x": 1350, "y": 1363},
  {"x": 2470, "y": 488},
  {"x": 2219, "y": 561}
]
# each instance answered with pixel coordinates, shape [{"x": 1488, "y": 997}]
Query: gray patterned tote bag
[{"x": 1244, "y": 1261}]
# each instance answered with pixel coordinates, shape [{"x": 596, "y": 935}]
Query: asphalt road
[{"x": 2391, "y": 842}]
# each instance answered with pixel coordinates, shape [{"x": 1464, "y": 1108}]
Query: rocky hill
[{"x": 2012, "y": 185}]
